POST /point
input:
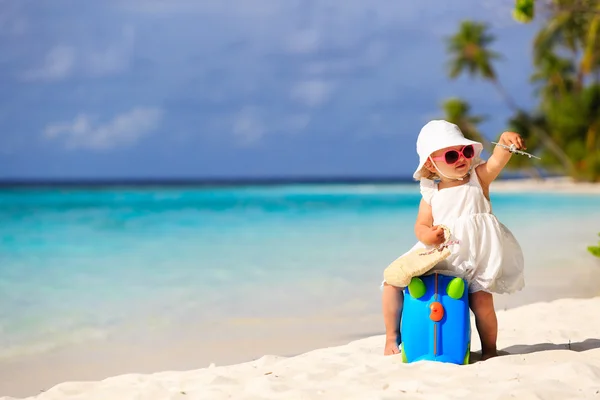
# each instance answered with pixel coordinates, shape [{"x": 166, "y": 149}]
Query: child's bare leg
[
  {"x": 482, "y": 304},
  {"x": 391, "y": 302}
]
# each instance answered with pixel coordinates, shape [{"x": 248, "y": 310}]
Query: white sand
[
  {"x": 555, "y": 185},
  {"x": 552, "y": 352}
]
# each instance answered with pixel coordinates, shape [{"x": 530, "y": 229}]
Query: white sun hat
[{"x": 439, "y": 134}]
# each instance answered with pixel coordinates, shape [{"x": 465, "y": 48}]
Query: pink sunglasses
[{"x": 452, "y": 156}]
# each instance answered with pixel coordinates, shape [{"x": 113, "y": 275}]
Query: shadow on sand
[{"x": 588, "y": 344}]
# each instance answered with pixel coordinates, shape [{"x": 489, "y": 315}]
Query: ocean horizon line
[{"x": 197, "y": 182}]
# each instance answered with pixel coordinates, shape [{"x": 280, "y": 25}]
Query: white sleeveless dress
[{"x": 488, "y": 256}]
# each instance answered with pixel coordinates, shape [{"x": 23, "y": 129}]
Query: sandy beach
[
  {"x": 549, "y": 351},
  {"x": 549, "y": 337},
  {"x": 554, "y": 184}
]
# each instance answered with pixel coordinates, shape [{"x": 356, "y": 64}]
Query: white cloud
[
  {"x": 63, "y": 61},
  {"x": 58, "y": 64},
  {"x": 312, "y": 93},
  {"x": 123, "y": 130}
]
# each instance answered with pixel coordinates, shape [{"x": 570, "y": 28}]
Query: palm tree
[
  {"x": 524, "y": 10},
  {"x": 469, "y": 53},
  {"x": 555, "y": 76},
  {"x": 574, "y": 26},
  {"x": 574, "y": 121},
  {"x": 590, "y": 59}
]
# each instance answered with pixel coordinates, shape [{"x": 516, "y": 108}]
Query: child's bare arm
[
  {"x": 489, "y": 171},
  {"x": 425, "y": 232}
]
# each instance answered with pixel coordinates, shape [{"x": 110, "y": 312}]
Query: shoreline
[{"x": 555, "y": 185}]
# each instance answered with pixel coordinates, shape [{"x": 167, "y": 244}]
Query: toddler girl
[{"x": 487, "y": 255}]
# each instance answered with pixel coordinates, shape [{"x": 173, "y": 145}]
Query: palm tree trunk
[
  {"x": 590, "y": 139},
  {"x": 555, "y": 149}
]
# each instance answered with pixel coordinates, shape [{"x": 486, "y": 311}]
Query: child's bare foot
[
  {"x": 486, "y": 355},
  {"x": 482, "y": 304},
  {"x": 391, "y": 346}
]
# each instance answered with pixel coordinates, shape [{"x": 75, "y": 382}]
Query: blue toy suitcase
[{"x": 436, "y": 323}]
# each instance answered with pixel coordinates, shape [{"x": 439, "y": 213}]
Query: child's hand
[
  {"x": 489, "y": 171},
  {"x": 508, "y": 138},
  {"x": 435, "y": 236}
]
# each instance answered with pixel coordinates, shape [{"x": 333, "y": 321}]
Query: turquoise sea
[{"x": 83, "y": 265}]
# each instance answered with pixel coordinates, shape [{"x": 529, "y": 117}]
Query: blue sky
[{"x": 236, "y": 88}]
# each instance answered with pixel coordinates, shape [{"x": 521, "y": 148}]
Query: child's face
[{"x": 446, "y": 164}]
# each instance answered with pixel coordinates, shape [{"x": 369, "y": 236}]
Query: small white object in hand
[{"x": 513, "y": 149}]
